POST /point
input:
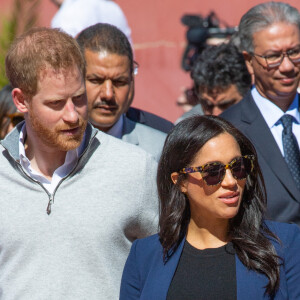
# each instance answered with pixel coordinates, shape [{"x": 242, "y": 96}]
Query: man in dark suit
[{"x": 270, "y": 40}]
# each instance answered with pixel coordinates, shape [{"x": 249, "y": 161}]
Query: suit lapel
[
  {"x": 161, "y": 276},
  {"x": 251, "y": 284},
  {"x": 258, "y": 131}
]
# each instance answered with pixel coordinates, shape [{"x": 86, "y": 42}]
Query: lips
[
  {"x": 230, "y": 197},
  {"x": 71, "y": 131},
  {"x": 287, "y": 80},
  {"x": 104, "y": 108}
]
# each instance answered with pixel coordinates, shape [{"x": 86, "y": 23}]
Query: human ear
[
  {"x": 248, "y": 60},
  {"x": 20, "y": 100},
  {"x": 174, "y": 178}
]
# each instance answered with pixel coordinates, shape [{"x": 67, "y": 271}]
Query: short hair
[
  {"x": 105, "y": 37},
  {"x": 263, "y": 15},
  {"x": 218, "y": 67},
  {"x": 37, "y": 49},
  {"x": 247, "y": 229}
]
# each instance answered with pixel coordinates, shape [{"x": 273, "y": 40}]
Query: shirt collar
[
  {"x": 117, "y": 129},
  {"x": 71, "y": 156},
  {"x": 271, "y": 112}
]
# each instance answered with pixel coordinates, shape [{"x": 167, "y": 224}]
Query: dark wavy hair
[
  {"x": 247, "y": 230},
  {"x": 218, "y": 67},
  {"x": 7, "y": 106}
]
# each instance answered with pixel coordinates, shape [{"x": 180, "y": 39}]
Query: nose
[
  {"x": 70, "y": 112},
  {"x": 107, "y": 91},
  {"x": 286, "y": 64},
  {"x": 216, "y": 111},
  {"x": 229, "y": 180}
]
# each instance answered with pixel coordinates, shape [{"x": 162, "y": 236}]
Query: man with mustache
[
  {"x": 269, "y": 114},
  {"x": 110, "y": 87},
  {"x": 72, "y": 198}
]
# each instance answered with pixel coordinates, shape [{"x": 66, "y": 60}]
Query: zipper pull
[{"x": 49, "y": 204}]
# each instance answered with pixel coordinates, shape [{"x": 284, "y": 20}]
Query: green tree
[{"x": 23, "y": 16}]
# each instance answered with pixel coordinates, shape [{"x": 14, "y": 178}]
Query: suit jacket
[
  {"x": 149, "y": 119},
  {"x": 282, "y": 193},
  {"x": 149, "y": 139},
  {"x": 147, "y": 277},
  {"x": 196, "y": 110}
]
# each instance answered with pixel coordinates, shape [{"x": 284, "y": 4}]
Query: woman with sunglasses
[{"x": 213, "y": 241}]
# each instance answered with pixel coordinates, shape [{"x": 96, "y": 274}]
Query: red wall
[{"x": 159, "y": 38}]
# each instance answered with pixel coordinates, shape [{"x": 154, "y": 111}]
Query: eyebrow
[
  {"x": 226, "y": 101},
  {"x": 280, "y": 51},
  {"x": 80, "y": 92},
  {"x": 217, "y": 161},
  {"x": 93, "y": 75}
]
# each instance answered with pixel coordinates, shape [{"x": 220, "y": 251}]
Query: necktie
[{"x": 291, "y": 148}]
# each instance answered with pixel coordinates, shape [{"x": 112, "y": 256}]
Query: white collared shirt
[
  {"x": 272, "y": 114},
  {"x": 117, "y": 129},
  {"x": 59, "y": 173}
]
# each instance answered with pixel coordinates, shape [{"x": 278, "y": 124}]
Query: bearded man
[{"x": 72, "y": 198}]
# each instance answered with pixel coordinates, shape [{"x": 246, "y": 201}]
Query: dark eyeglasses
[
  {"x": 214, "y": 173},
  {"x": 275, "y": 60},
  {"x": 15, "y": 118}
]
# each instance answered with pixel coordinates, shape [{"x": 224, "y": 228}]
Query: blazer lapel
[
  {"x": 161, "y": 276},
  {"x": 258, "y": 131},
  {"x": 251, "y": 284}
]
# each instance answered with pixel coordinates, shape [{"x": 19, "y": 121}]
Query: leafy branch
[{"x": 23, "y": 16}]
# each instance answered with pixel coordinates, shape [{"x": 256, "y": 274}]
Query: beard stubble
[{"x": 55, "y": 138}]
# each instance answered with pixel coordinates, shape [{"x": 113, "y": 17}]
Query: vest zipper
[
  {"x": 49, "y": 204},
  {"x": 51, "y": 196}
]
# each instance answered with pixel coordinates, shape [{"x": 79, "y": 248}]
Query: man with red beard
[{"x": 72, "y": 198}]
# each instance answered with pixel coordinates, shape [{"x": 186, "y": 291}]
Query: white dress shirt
[
  {"x": 272, "y": 114},
  {"x": 75, "y": 15},
  {"x": 59, "y": 173}
]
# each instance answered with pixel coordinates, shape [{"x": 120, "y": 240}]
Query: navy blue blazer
[
  {"x": 282, "y": 193},
  {"x": 147, "y": 277}
]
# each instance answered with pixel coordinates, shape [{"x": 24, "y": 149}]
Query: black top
[{"x": 204, "y": 274}]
